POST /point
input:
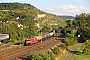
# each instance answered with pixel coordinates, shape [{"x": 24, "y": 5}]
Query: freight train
[{"x": 35, "y": 39}]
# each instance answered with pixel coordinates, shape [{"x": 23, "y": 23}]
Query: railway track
[
  {"x": 6, "y": 55},
  {"x": 44, "y": 47}
]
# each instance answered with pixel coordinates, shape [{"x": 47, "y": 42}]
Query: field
[{"x": 78, "y": 55}]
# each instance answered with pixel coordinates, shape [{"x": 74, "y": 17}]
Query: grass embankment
[
  {"x": 78, "y": 54},
  {"x": 63, "y": 56}
]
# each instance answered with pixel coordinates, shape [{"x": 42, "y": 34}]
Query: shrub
[
  {"x": 56, "y": 50},
  {"x": 86, "y": 50},
  {"x": 23, "y": 43},
  {"x": 62, "y": 46},
  {"x": 44, "y": 55}
]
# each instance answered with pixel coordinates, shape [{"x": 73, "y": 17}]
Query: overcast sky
[{"x": 58, "y": 7}]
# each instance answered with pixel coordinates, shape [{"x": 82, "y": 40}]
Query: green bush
[
  {"x": 86, "y": 50},
  {"x": 67, "y": 42},
  {"x": 56, "y": 50},
  {"x": 36, "y": 56},
  {"x": 62, "y": 46},
  {"x": 44, "y": 55},
  {"x": 23, "y": 43},
  {"x": 70, "y": 39}
]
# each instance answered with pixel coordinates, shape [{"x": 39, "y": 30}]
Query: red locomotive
[{"x": 31, "y": 40}]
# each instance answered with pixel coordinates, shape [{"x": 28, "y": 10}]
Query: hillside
[{"x": 21, "y": 20}]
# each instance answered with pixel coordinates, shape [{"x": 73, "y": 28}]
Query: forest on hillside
[{"x": 12, "y": 14}]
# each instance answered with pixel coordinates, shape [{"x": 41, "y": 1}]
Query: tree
[
  {"x": 83, "y": 21},
  {"x": 69, "y": 23}
]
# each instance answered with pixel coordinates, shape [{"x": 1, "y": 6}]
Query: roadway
[
  {"x": 5, "y": 46},
  {"x": 8, "y": 45},
  {"x": 69, "y": 55}
]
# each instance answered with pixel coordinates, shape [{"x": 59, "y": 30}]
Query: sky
[{"x": 58, "y": 7}]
